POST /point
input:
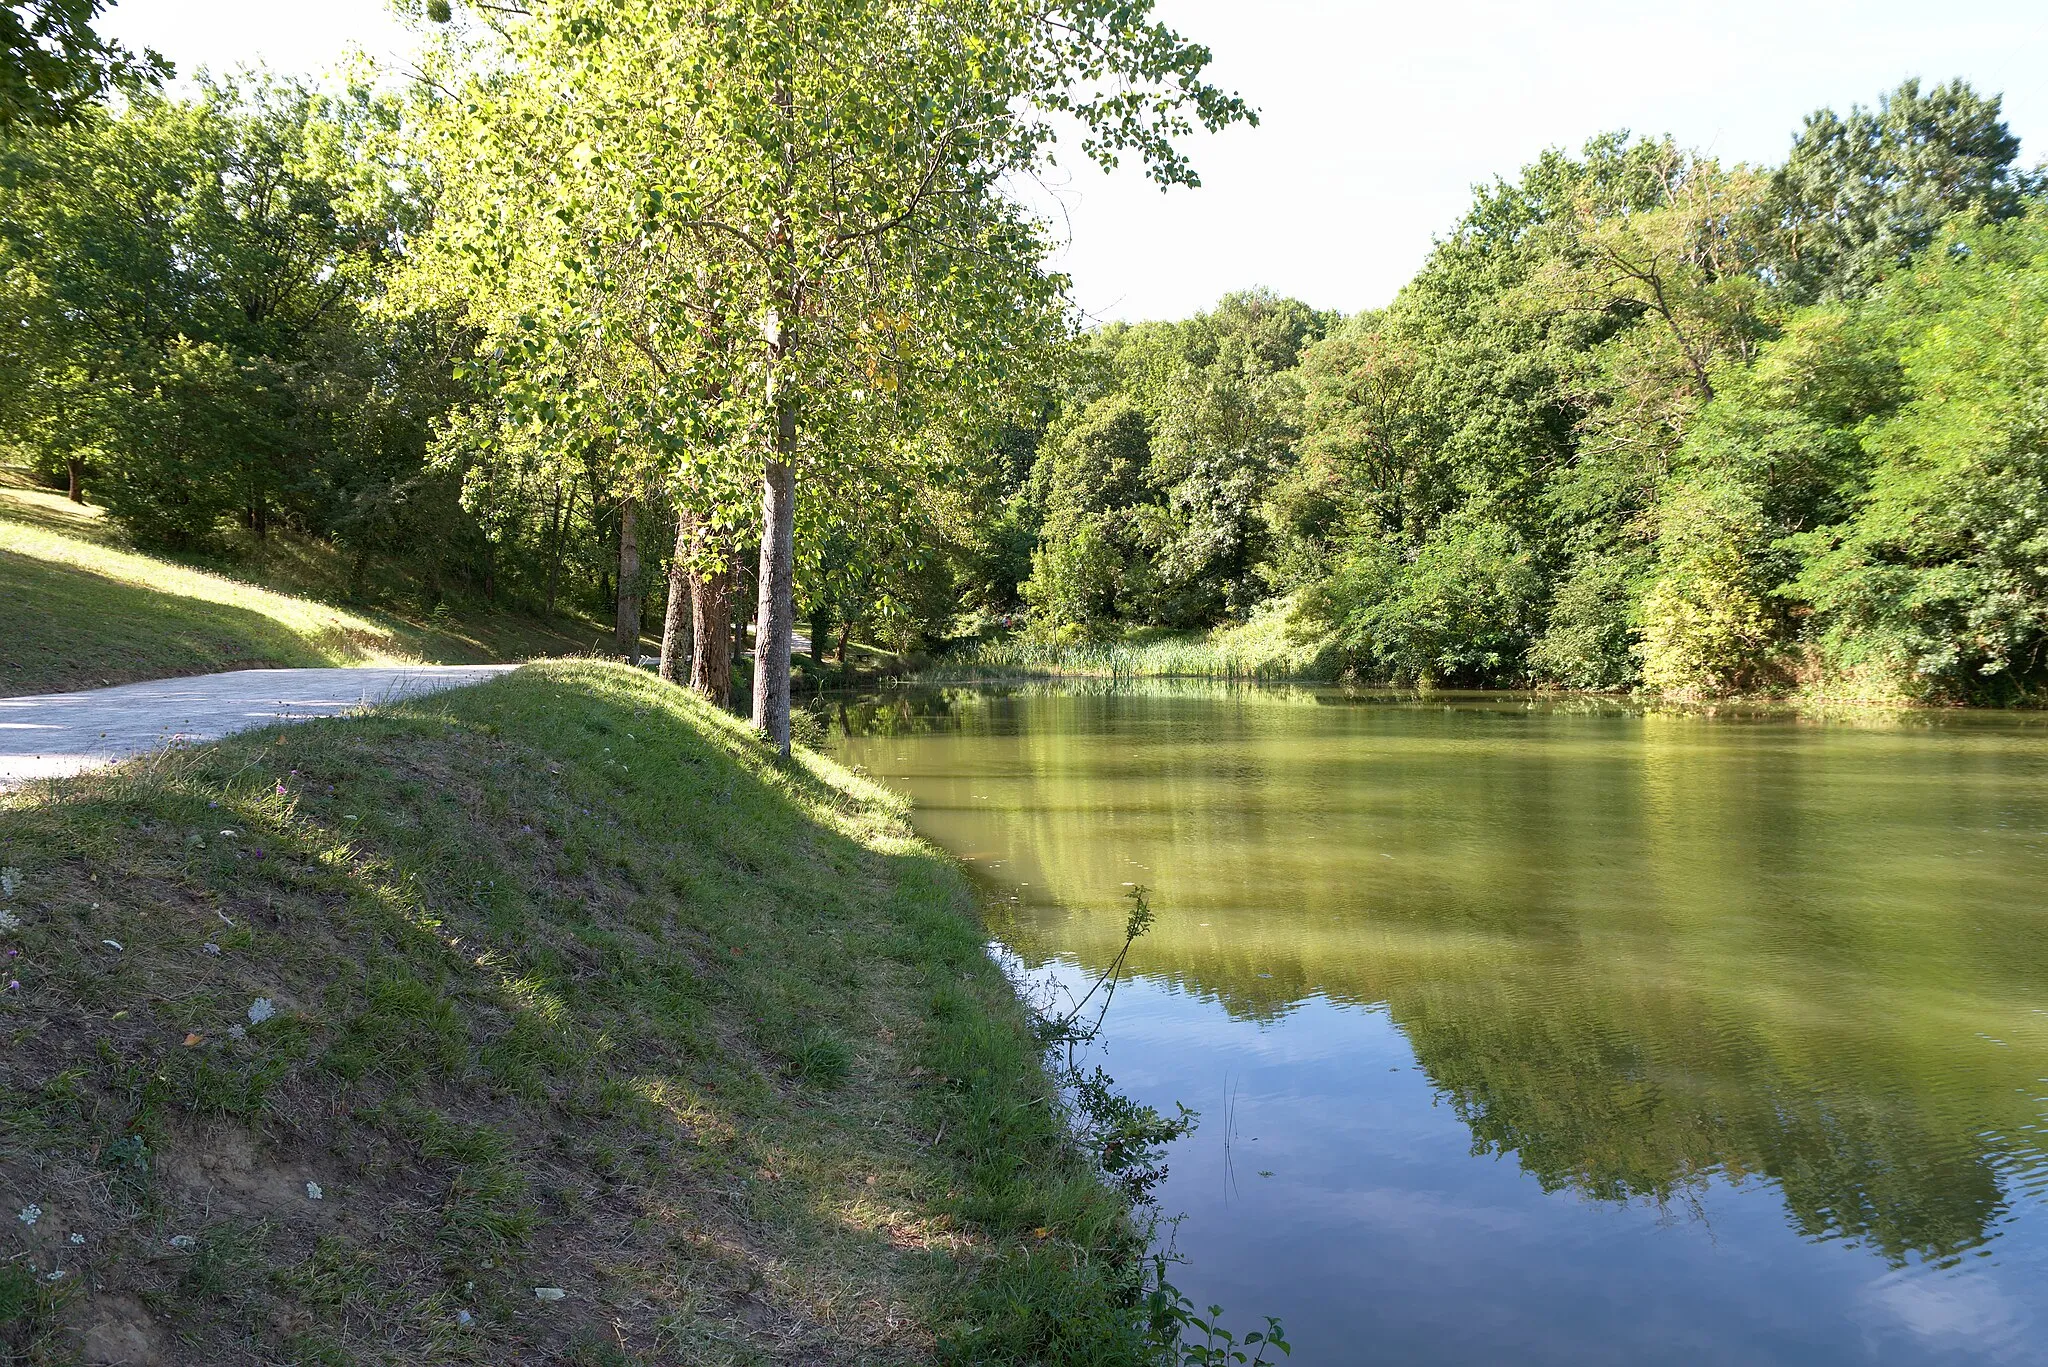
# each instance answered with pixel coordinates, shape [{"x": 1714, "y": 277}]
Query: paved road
[{"x": 63, "y": 733}]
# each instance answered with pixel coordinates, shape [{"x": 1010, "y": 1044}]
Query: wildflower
[
  {"x": 280, "y": 788},
  {"x": 10, "y": 879},
  {"x": 463, "y": 1318},
  {"x": 237, "y": 1032},
  {"x": 9, "y": 921},
  {"x": 30, "y": 1214},
  {"x": 261, "y": 1010},
  {"x": 14, "y": 984},
  {"x": 77, "y": 1238},
  {"x": 313, "y": 1192}
]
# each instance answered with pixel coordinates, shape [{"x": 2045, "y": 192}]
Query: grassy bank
[
  {"x": 554, "y": 983},
  {"x": 80, "y": 609},
  {"x": 1256, "y": 651}
]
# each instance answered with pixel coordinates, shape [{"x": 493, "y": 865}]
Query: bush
[
  {"x": 1463, "y": 611},
  {"x": 1591, "y": 639},
  {"x": 1709, "y": 621}
]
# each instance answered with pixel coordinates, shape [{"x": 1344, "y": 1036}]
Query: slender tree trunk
[
  {"x": 74, "y": 474},
  {"x": 558, "y": 525},
  {"x": 675, "y": 620},
  {"x": 711, "y": 635},
  {"x": 627, "y": 633},
  {"x": 821, "y": 627},
  {"x": 776, "y": 615},
  {"x": 743, "y": 592}
]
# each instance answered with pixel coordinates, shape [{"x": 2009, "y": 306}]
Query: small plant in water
[{"x": 1126, "y": 1139}]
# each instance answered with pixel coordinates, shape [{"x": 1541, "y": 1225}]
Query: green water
[{"x": 1547, "y": 1032}]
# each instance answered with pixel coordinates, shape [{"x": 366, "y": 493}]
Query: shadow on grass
[
  {"x": 68, "y": 628},
  {"x": 567, "y": 984}
]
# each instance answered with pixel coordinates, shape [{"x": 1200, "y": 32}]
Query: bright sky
[{"x": 1376, "y": 117}]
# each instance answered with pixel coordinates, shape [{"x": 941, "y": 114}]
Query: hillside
[
  {"x": 81, "y": 609},
  {"x": 356, "y": 1041}
]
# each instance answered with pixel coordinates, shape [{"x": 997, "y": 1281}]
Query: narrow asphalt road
[{"x": 53, "y": 734}]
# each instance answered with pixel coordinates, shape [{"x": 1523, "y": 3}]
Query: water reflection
[{"x": 1647, "y": 955}]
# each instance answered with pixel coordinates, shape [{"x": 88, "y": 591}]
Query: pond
[{"x": 1545, "y": 1031}]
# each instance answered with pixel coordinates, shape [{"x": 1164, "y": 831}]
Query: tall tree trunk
[
  {"x": 558, "y": 526},
  {"x": 627, "y": 632},
  {"x": 776, "y": 616},
  {"x": 821, "y": 627},
  {"x": 711, "y": 635},
  {"x": 675, "y": 620},
  {"x": 74, "y": 474}
]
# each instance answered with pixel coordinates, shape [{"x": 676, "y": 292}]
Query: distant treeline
[{"x": 1641, "y": 420}]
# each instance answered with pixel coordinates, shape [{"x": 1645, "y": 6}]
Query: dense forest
[
  {"x": 1640, "y": 420},
  {"x": 519, "y": 328}
]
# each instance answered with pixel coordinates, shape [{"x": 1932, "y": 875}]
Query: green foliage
[
  {"x": 1150, "y": 489},
  {"x": 1589, "y": 640},
  {"x": 1708, "y": 621},
  {"x": 1861, "y": 195},
  {"x": 1462, "y": 611},
  {"x": 53, "y": 66},
  {"x": 1641, "y": 419},
  {"x": 1935, "y": 584}
]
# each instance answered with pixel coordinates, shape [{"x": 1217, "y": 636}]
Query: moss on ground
[{"x": 568, "y": 986}]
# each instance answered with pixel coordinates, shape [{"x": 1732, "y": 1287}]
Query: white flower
[
  {"x": 9, "y": 921},
  {"x": 10, "y": 879},
  {"x": 313, "y": 1192},
  {"x": 78, "y": 1238},
  {"x": 237, "y": 1032},
  {"x": 30, "y": 1214},
  {"x": 261, "y": 1010}
]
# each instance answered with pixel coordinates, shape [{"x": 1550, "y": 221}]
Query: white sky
[{"x": 1376, "y": 117}]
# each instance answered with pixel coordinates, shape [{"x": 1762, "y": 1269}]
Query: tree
[
  {"x": 1860, "y": 195},
  {"x": 1935, "y": 585},
  {"x": 853, "y": 167},
  {"x": 191, "y": 285},
  {"x": 53, "y": 67}
]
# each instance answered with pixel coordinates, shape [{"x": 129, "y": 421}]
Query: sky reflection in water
[{"x": 1567, "y": 1032}]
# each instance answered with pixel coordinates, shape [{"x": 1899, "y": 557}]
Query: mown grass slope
[
  {"x": 565, "y": 985},
  {"x": 79, "y": 609}
]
